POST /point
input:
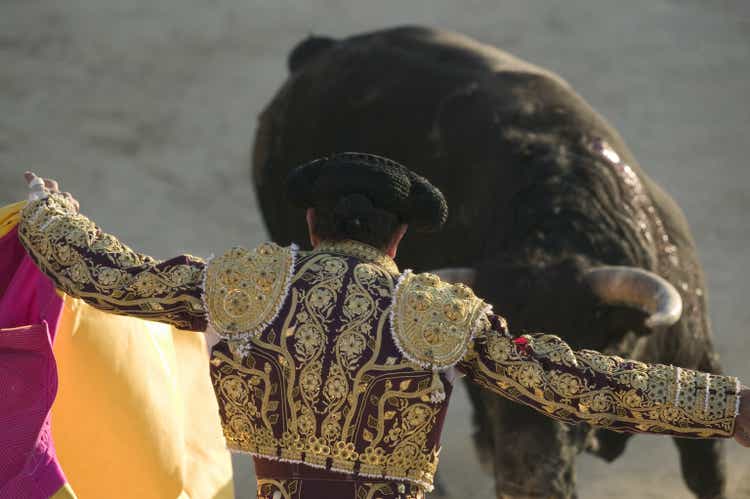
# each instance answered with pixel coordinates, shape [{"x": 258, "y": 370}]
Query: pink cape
[{"x": 29, "y": 310}]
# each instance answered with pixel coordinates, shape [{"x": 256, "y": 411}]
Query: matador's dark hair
[{"x": 365, "y": 197}]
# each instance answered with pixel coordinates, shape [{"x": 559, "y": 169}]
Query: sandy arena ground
[{"x": 146, "y": 109}]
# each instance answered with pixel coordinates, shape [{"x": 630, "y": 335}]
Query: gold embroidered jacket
[{"x": 335, "y": 359}]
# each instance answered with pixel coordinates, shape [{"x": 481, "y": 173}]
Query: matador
[{"x": 334, "y": 367}]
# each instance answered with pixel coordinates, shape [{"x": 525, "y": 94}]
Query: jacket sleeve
[
  {"x": 543, "y": 372},
  {"x": 94, "y": 266}
]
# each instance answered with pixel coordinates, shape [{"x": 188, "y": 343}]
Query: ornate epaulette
[
  {"x": 245, "y": 290},
  {"x": 433, "y": 322}
]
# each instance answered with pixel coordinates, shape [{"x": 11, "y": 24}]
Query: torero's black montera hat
[{"x": 387, "y": 184}]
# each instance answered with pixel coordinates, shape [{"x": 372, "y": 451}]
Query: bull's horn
[
  {"x": 454, "y": 275},
  {"x": 637, "y": 288}
]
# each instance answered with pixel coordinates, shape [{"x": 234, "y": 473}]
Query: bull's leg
[
  {"x": 439, "y": 490},
  {"x": 534, "y": 456},
  {"x": 703, "y": 467},
  {"x": 609, "y": 444},
  {"x": 482, "y": 425}
]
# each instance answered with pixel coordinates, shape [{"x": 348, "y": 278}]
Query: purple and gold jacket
[{"x": 336, "y": 359}]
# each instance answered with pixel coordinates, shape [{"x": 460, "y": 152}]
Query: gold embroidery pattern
[
  {"x": 94, "y": 266},
  {"x": 244, "y": 290},
  {"x": 624, "y": 395},
  {"x": 279, "y": 489},
  {"x": 296, "y": 489},
  {"x": 432, "y": 321},
  {"x": 360, "y": 250},
  {"x": 382, "y": 490},
  {"x": 316, "y": 388}
]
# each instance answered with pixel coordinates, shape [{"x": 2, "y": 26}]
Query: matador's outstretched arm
[
  {"x": 543, "y": 372},
  {"x": 94, "y": 266}
]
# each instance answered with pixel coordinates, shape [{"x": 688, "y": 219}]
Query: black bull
[{"x": 541, "y": 189}]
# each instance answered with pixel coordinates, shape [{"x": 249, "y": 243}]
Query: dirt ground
[{"x": 146, "y": 110}]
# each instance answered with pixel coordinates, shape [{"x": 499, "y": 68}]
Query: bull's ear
[{"x": 308, "y": 49}]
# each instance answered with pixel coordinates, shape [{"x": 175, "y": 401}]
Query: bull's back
[{"x": 468, "y": 116}]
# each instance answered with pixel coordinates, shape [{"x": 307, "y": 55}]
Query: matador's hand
[
  {"x": 40, "y": 188},
  {"x": 742, "y": 423}
]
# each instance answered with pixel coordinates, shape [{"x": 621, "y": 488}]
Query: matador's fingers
[
  {"x": 29, "y": 176},
  {"x": 37, "y": 189},
  {"x": 33, "y": 180},
  {"x": 51, "y": 185},
  {"x": 73, "y": 200}
]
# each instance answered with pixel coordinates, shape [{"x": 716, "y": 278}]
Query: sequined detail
[
  {"x": 542, "y": 371},
  {"x": 89, "y": 264},
  {"x": 244, "y": 290},
  {"x": 325, "y": 385},
  {"x": 432, "y": 321}
]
